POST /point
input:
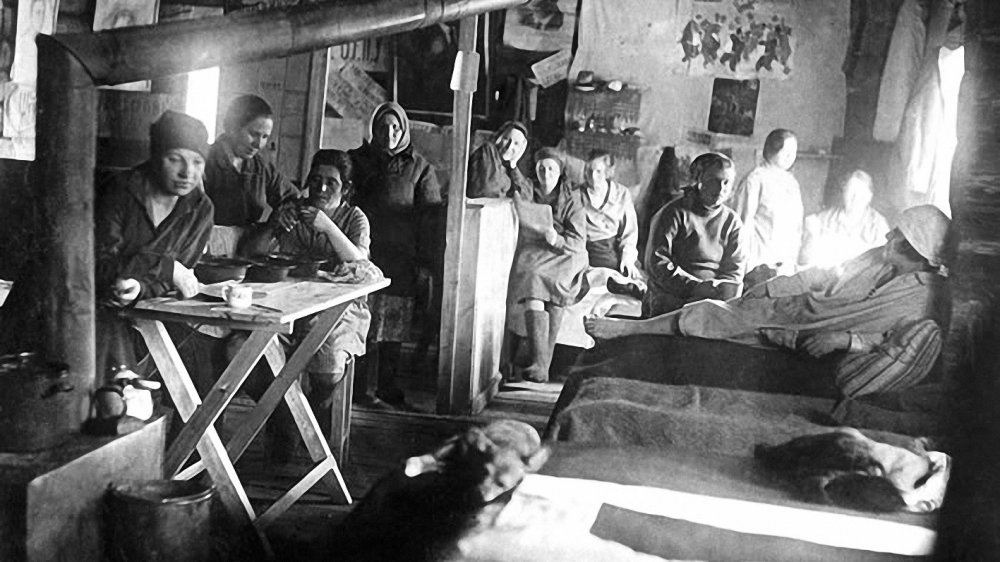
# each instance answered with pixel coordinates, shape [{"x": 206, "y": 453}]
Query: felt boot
[
  {"x": 537, "y": 327},
  {"x": 555, "y": 322}
]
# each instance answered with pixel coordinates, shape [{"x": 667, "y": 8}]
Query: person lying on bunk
[
  {"x": 875, "y": 315},
  {"x": 328, "y": 227},
  {"x": 151, "y": 225},
  {"x": 694, "y": 249}
]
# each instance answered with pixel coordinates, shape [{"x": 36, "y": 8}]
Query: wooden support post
[
  {"x": 315, "y": 109},
  {"x": 453, "y": 395}
]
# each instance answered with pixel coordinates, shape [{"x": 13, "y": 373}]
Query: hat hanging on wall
[{"x": 585, "y": 81}]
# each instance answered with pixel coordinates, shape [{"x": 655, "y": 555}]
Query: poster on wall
[
  {"x": 371, "y": 54},
  {"x": 734, "y": 106},
  {"x": 112, "y": 14},
  {"x": 735, "y": 39},
  {"x": 33, "y": 17},
  {"x": 541, "y": 25},
  {"x": 353, "y": 93}
]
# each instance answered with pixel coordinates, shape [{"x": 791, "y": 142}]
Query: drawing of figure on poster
[
  {"x": 19, "y": 111},
  {"x": 738, "y": 39},
  {"x": 33, "y": 17},
  {"x": 112, "y": 14}
]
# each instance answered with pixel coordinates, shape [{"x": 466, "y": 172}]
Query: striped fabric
[{"x": 905, "y": 359}]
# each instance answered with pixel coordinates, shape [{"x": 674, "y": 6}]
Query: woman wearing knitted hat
[
  {"x": 549, "y": 264},
  {"x": 876, "y": 317},
  {"x": 152, "y": 224},
  {"x": 694, "y": 250},
  {"x": 244, "y": 186}
]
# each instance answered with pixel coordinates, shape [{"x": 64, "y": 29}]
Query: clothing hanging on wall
[{"x": 902, "y": 66}]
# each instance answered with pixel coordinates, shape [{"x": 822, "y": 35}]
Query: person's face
[
  {"x": 716, "y": 185},
  {"x": 597, "y": 172},
  {"x": 388, "y": 131},
  {"x": 181, "y": 171},
  {"x": 786, "y": 156},
  {"x": 547, "y": 171},
  {"x": 511, "y": 145},
  {"x": 894, "y": 252},
  {"x": 252, "y": 137},
  {"x": 326, "y": 187},
  {"x": 857, "y": 195}
]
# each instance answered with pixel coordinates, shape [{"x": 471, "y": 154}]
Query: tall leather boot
[
  {"x": 555, "y": 322},
  {"x": 537, "y": 327}
]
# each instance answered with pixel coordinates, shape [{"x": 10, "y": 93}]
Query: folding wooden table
[{"x": 275, "y": 308}]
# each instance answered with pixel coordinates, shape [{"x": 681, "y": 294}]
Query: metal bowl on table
[{"x": 214, "y": 269}]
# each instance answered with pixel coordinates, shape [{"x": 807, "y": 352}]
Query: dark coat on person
[{"x": 248, "y": 196}]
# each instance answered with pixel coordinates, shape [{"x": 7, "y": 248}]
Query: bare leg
[{"x": 602, "y": 328}]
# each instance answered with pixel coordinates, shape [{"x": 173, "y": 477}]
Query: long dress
[
  {"x": 689, "y": 243},
  {"x": 552, "y": 273},
  {"x": 129, "y": 246},
  {"x": 351, "y": 329},
  {"x": 769, "y": 202}
]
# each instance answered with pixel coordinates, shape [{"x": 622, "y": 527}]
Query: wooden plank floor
[{"x": 380, "y": 440}]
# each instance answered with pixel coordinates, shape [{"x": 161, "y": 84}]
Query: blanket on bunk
[{"x": 616, "y": 412}]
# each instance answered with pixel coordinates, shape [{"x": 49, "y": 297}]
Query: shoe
[{"x": 629, "y": 289}]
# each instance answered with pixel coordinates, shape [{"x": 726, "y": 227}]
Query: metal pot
[{"x": 38, "y": 408}]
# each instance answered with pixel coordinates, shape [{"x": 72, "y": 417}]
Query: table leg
[
  {"x": 186, "y": 400},
  {"x": 216, "y": 400}
]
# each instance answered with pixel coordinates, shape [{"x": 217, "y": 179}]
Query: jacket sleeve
[
  {"x": 571, "y": 232},
  {"x": 904, "y": 357},
  {"x": 109, "y": 239},
  {"x": 428, "y": 205},
  {"x": 280, "y": 190},
  {"x": 629, "y": 231},
  {"x": 662, "y": 267},
  {"x": 191, "y": 250},
  {"x": 487, "y": 177},
  {"x": 802, "y": 282},
  {"x": 746, "y": 199},
  {"x": 733, "y": 262}
]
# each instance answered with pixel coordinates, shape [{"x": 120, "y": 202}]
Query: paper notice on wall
[
  {"x": 33, "y": 17},
  {"x": 541, "y": 25},
  {"x": 370, "y": 54},
  {"x": 353, "y": 93},
  {"x": 19, "y": 110},
  {"x": 551, "y": 70}
]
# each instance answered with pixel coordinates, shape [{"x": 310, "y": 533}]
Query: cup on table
[{"x": 238, "y": 296}]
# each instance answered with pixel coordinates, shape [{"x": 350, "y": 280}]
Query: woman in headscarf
[
  {"x": 550, "y": 262},
  {"x": 397, "y": 189},
  {"x": 493, "y": 168},
  {"x": 245, "y": 187},
  {"x": 694, "y": 249}
]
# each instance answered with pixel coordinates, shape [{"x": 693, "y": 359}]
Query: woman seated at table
[
  {"x": 151, "y": 225},
  {"x": 329, "y": 228},
  {"x": 549, "y": 264},
  {"x": 245, "y": 187},
  {"x": 877, "y": 318},
  {"x": 694, "y": 249},
  {"x": 493, "y": 168},
  {"x": 612, "y": 225},
  {"x": 848, "y": 229}
]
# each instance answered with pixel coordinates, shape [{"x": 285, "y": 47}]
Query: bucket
[{"x": 154, "y": 520}]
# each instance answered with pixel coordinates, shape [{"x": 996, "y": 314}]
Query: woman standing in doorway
[
  {"x": 397, "y": 189},
  {"x": 769, "y": 202}
]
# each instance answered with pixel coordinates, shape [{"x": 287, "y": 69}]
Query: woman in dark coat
[
  {"x": 398, "y": 191},
  {"x": 550, "y": 262},
  {"x": 245, "y": 187},
  {"x": 493, "y": 166}
]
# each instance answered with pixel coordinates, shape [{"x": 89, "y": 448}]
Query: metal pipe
[
  {"x": 139, "y": 53},
  {"x": 65, "y": 146}
]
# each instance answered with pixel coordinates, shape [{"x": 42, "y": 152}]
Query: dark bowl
[
  {"x": 217, "y": 270},
  {"x": 307, "y": 267},
  {"x": 269, "y": 270}
]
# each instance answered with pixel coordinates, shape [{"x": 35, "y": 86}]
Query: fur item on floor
[
  {"x": 847, "y": 469},
  {"x": 418, "y": 511}
]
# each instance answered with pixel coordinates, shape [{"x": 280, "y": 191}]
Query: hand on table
[
  {"x": 184, "y": 281},
  {"x": 819, "y": 345},
  {"x": 125, "y": 291}
]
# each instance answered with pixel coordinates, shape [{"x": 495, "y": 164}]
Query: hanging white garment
[
  {"x": 928, "y": 135},
  {"x": 902, "y": 66}
]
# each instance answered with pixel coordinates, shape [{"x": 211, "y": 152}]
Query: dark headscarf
[
  {"x": 511, "y": 125},
  {"x": 706, "y": 162},
  {"x": 177, "y": 130},
  {"x": 549, "y": 153},
  {"x": 243, "y": 110},
  {"x": 404, "y": 123}
]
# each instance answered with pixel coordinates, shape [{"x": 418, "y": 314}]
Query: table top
[{"x": 275, "y": 305}]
